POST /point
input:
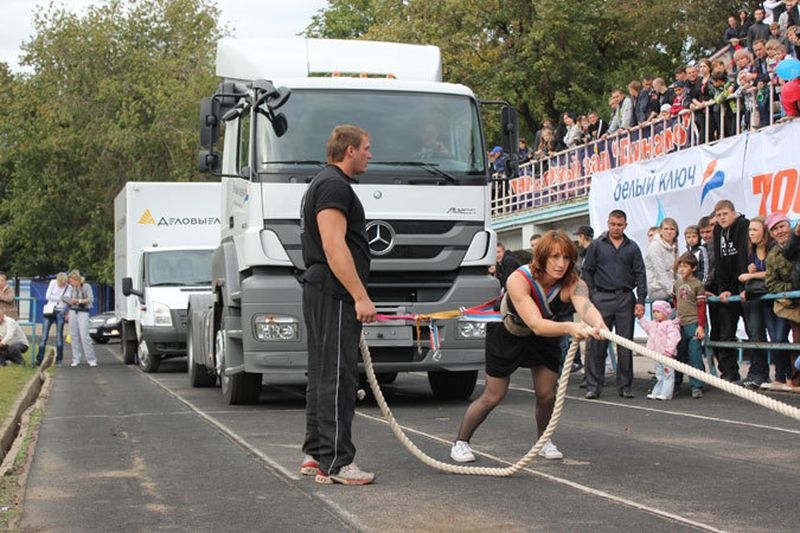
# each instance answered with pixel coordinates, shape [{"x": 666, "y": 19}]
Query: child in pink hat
[{"x": 663, "y": 337}]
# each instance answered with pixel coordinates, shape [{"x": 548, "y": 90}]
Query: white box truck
[
  {"x": 164, "y": 237},
  {"x": 425, "y": 193}
]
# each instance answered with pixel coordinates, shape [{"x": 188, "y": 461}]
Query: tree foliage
[
  {"x": 545, "y": 57},
  {"x": 113, "y": 97}
]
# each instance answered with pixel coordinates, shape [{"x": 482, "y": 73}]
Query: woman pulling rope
[{"x": 539, "y": 296}]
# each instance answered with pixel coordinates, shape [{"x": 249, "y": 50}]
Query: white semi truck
[
  {"x": 425, "y": 194},
  {"x": 165, "y": 234}
]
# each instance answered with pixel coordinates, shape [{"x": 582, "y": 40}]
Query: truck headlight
[
  {"x": 276, "y": 328},
  {"x": 161, "y": 314},
  {"x": 466, "y": 329}
]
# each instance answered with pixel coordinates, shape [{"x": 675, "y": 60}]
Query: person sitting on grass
[{"x": 13, "y": 342}]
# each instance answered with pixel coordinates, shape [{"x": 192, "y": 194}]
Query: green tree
[
  {"x": 545, "y": 57},
  {"x": 113, "y": 97}
]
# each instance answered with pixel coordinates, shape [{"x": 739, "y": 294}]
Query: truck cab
[
  {"x": 167, "y": 276},
  {"x": 165, "y": 236},
  {"x": 425, "y": 194}
]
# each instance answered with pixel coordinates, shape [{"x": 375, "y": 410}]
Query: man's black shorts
[{"x": 506, "y": 352}]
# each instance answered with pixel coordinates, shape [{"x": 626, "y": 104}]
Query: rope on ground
[{"x": 561, "y": 394}]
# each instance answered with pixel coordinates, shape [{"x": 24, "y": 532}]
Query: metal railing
[
  {"x": 742, "y": 345},
  {"x": 566, "y": 176}
]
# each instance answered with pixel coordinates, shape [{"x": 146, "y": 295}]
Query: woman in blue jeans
[
  {"x": 55, "y": 293},
  {"x": 759, "y": 318}
]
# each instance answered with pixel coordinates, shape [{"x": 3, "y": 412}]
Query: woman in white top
[
  {"x": 79, "y": 297},
  {"x": 660, "y": 261},
  {"x": 54, "y": 298}
]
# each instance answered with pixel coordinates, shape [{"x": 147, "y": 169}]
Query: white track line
[
  {"x": 349, "y": 517},
  {"x": 583, "y": 488},
  {"x": 674, "y": 413},
  {"x": 661, "y": 411}
]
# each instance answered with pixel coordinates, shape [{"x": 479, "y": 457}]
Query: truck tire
[
  {"x": 242, "y": 388},
  {"x": 199, "y": 375},
  {"x": 148, "y": 362},
  {"x": 452, "y": 385},
  {"x": 128, "y": 343}
]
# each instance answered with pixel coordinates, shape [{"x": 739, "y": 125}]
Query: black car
[{"x": 104, "y": 327}]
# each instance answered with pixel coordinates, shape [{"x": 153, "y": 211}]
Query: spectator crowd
[
  {"x": 720, "y": 273},
  {"x": 724, "y": 98}
]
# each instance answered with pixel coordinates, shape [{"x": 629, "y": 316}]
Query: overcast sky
[{"x": 247, "y": 18}]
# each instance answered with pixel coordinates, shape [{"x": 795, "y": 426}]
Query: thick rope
[
  {"x": 737, "y": 390},
  {"x": 561, "y": 394}
]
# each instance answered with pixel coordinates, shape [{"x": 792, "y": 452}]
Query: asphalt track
[{"x": 123, "y": 451}]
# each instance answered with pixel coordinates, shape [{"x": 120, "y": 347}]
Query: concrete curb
[{"x": 10, "y": 427}]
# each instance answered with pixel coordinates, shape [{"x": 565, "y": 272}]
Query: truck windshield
[
  {"x": 174, "y": 268},
  {"x": 418, "y": 137}
]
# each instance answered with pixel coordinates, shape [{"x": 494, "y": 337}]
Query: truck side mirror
[
  {"x": 208, "y": 161},
  {"x": 209, "y": 122},
  {"x": 127, "y": 287},
  {"x": 510, "y": 131},
  {"x": 510, "y": 126}
]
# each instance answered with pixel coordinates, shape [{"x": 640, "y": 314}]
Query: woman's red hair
[{"x": 552, "y": 242}]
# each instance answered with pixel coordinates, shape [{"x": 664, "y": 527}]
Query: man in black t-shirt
[{"x": 335, "y": 303}]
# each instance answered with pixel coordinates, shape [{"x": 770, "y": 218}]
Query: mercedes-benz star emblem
[{"x": 380, "y": 237}]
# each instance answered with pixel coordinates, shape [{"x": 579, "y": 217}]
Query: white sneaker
[
  {"x": 549, "y": 451},
  {"x": 75, "y": 363},
  {"x": 93, "y": 364},
  {"x": 352, "y": 475},
  {"x": 661, "y": 397},
  {"x": 651, "y": 396},
  {"x": 461, "y": 452}
]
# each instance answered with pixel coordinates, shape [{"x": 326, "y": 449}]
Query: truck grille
[{"x": 419, "y": 245}]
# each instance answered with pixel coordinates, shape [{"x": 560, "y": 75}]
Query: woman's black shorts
[{"x": 506, "y": 352}]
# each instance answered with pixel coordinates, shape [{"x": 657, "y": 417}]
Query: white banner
[{"x": 757, "y": 171}]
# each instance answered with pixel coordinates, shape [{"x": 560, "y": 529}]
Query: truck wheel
[
  {"x": 199, "y": 376},
  {"x": 452, "y": 385},
  {"x": 147, "y": 362},
  {"x": 128, "y": 344},
  {"x": 242, "y": 388}
]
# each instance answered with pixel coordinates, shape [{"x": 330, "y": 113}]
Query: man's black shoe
[{"x": 626, "y": 394}]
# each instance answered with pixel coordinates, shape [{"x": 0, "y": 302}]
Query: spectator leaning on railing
[
  {"x": 779, "y": 279},
  {"x": 621, "y": 111},
  {"x": 730, "y": 251}
]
